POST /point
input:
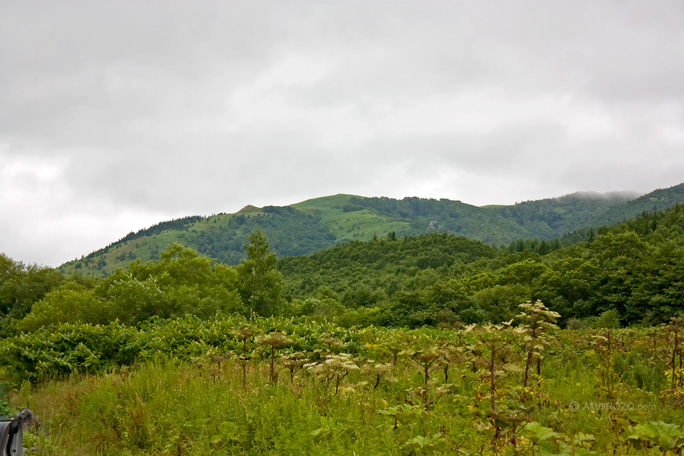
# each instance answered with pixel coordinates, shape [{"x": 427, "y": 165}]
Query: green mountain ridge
[{"x": 319, "y": 223}]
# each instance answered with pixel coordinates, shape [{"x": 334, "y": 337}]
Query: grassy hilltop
[{"x": 319, "y": 223}]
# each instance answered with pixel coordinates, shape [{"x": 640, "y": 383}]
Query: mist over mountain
[{"x": 624, "y": 195}]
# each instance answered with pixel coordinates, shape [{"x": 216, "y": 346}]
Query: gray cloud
[{"x": 117, "y": 115}]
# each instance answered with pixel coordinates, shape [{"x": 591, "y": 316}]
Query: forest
[
  {"x": 427, "y": 344},
  {"x": 317, "y": 224},
  {"x": 631, "y": 271}
]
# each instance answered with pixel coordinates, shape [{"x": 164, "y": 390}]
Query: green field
[{"x": 274, "y": 386}]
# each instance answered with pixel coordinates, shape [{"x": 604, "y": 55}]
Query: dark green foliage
[
  {"x": 657, "y": 200},
  {"x": 181, "y": 282},
  {"x": 290, "y": 233},
  {"x": 320, "y": 223},
  {"x": 394, "y": 263},
  {"x": 71, "y": 348},
  {"x": 259, "y": 282},
  {"x": 445, "y": 216},
  {"x": 21, "y": 286},
  {"x": 411, "y": 281},
  {"x": 635, "y": 269},
  {"x": 549, "y": 218},
  {"x": 180, "y": 224},
  {"x": 543, "y": 247}
]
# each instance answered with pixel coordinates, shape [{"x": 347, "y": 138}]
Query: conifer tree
[{"x": 259, "y": 282}]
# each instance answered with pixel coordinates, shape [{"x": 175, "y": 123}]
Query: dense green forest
[
  {"x": 316, "y": 224},
  {"x": 632, "y": 271}
]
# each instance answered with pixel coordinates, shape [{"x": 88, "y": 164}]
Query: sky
[{"x": 115, "y": 116}]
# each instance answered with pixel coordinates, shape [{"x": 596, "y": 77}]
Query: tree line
[
  {"x": 633, "y": 269},
  {"x": 626, "y": 274}
]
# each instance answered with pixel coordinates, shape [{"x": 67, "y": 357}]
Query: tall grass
[
  {"x": 170, "y": 406},
  {"x": 164, "y": 408}
]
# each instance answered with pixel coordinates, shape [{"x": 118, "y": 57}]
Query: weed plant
[{"x": 214, "y": 389}]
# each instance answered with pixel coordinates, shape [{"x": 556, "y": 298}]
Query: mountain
[
  {"x": 553, "y": 217},
  {"x": 657, "y": 200},
  {"x": 319, "y": 223}
]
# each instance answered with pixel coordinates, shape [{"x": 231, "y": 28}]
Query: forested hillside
[
  {"x": 550, "y": 218},
  {"x": 219, "y": 236},
  {"x": 657, "y": 200},
  {"x": 632, "y": 272},
  {"x": 635, "y": 269},
  {"x": 317, "y": 224}
]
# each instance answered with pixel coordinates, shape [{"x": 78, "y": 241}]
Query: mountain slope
[
  {"x": 657, "y": 200},
  {"x": 319, "y": 223},
  {"x": 553, "y": 217}
]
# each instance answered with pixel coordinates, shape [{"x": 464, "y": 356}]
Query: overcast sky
[{"x": 116, "y": 115}]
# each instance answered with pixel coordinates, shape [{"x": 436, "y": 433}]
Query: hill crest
[{"x": 318, "y": 223}]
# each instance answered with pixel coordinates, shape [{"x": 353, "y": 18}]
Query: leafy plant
[
  {"x": 667, "y": 437},
  {"x": 494, "y": 355},
  {"x": 426, "y": 360},
  {"x": 537, "y": 320}
]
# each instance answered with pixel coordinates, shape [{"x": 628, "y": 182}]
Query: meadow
[{"x": 281, "y": 386}]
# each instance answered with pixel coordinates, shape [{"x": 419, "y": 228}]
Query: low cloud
[{"x": 117, "y": 115}]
